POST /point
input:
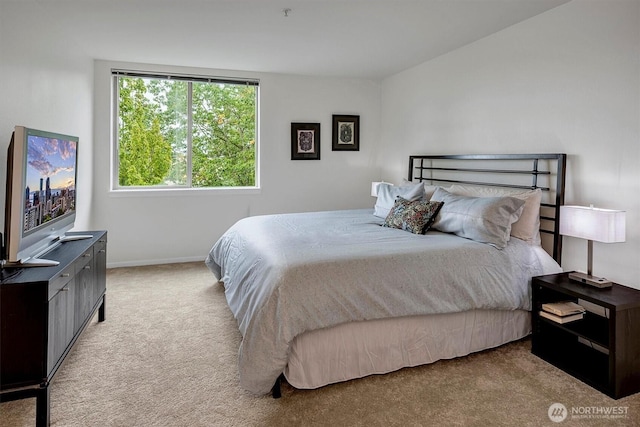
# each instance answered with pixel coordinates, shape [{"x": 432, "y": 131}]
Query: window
[{"x": 175, "y": 131}]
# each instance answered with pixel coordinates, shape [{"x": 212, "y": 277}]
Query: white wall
[
  {"x": 566, "y": 81},
  {"x": 47, "y": 86},
  {"x": 168, "y": 227}
]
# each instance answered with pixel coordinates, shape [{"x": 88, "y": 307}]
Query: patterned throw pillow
[{"x": 414, "y": 216}]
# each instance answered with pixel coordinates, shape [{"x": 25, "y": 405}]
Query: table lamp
[
  {"x": 593, "y": 224},
  {"x": 374, "y": 188}
]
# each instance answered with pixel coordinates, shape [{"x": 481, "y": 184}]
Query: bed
[{"x": 439, "y": 268}]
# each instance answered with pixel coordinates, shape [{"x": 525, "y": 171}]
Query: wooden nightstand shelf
[{"x": 602, "y": 352}]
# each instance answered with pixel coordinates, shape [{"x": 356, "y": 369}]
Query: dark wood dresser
[{"x": 43, "y": 311}]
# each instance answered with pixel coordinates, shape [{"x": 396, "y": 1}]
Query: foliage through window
[{"x": 174, "y": 131}]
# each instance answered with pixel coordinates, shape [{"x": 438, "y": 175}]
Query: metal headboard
[{"x": 522, "y": 171}]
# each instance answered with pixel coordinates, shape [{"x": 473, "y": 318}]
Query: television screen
[
  {"x": 50, "y": 191},
  {"x": 40, "y": 204}
]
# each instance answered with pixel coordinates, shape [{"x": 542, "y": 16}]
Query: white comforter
[{"x": 290, "y": 273}]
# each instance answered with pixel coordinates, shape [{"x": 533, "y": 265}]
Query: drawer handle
[
  {"x": 101, "y": 251},
  {"x": 87, "y": 267},
  {"x": 65, "y": 289},
  {"x": 65, "y": 275},
  {"x": 86, "y": 255},
  {"x": 101, "y": 240}
]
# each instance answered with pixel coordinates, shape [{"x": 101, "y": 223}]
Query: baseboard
[{"x": 143, "y": 262}]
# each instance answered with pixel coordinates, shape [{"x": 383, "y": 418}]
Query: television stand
[
  {"x": 43, "y": 311},
  {"x": 31, "y": 262},
  {"x": 36, "y": 261},
  {"x": 72, "y": 237}
]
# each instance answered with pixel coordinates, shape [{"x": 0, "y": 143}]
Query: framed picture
[
  {"x": 346, "y": 133},
  {"x": 305, "y": 141}
]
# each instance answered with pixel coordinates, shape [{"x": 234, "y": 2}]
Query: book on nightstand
[
  {"x": 563, "y": 308},
  {"x": 561, "y": 319}
]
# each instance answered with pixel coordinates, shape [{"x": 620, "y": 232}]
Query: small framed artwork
[
  {"x": 346, "y": 133},
  {"x": 305, "y": 141}
]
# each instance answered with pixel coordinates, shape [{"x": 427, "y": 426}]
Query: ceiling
[{"x": 369, "y": 39}]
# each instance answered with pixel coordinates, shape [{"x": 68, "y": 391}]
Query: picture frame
[
  {"x": 305, "y": 141},
  {"x": 346, "y": 133}
]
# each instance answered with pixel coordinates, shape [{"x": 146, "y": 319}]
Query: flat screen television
[{"x": 40, "y": 204}]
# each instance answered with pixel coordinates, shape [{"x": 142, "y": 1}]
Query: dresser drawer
[
  {"x": 100, "y": 247},
  {"x": 84, "y": 259},
  {"x": 61, "y": 280}
]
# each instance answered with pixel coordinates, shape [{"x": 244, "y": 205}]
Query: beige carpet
[{"x": 166, "y": 356}]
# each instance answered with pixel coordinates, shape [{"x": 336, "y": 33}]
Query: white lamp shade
[
  {"x": 374, "y": 188},
  {"x": 600, "y": 225}
]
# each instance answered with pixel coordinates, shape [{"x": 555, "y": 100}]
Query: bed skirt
[{"x": 358, "y": 349}]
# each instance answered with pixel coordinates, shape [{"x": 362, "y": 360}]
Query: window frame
[{"x": 116, "y": 73}]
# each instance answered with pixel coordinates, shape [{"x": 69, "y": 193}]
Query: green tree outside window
[{"x": 183, "y": 133}]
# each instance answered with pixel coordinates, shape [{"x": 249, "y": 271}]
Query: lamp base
[{"x": 587, "y": 279}]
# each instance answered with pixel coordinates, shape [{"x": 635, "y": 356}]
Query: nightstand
[{"x": 603, "y": 348}]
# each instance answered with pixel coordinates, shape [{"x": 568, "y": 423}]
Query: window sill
[{"x": 184, "y": 192}]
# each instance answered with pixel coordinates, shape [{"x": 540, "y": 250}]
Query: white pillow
[
  {"x": 527, "y": 227},
  {"x": 387, "y": 194},
  {"x": 428, "y": 189},
  {"x": 483, "y": 219}
]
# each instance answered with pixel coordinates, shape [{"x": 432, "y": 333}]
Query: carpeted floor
[{"x": 166, "y": 356}]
